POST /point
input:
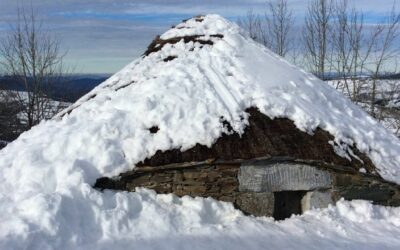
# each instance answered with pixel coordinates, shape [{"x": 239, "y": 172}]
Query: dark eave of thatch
[
  {"x": 157, "y": 44},
  {"x": 265, "y": 137}
]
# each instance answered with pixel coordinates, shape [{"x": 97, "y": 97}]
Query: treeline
[{"x": 334, "y": 38}]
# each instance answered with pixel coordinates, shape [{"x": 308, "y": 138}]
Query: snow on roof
[
  {"x": 183, "y": 89},
  {"x": 186, "y": 95}
]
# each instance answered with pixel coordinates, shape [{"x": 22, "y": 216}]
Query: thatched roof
[{"x": 265, "y": 137}]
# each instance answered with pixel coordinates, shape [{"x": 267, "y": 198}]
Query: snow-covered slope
[{"x": 46, "y": 199}]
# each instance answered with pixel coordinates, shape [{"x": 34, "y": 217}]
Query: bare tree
[
  {"x": 10, "y": 126},
  {"x": 341, "y": 45},
  {"x": 360, "y": 52},
  {"x": 384, "y": 49},
  {"x": 253, "y": 24},
  {"x": 32, "y": 58},
  {"x": 349, "y": 47},
  {"x": 316, "y": 33},
  {"x": 279, "y": 19}
]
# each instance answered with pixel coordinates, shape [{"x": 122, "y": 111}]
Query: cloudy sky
[{"x": 101, "y": 36}]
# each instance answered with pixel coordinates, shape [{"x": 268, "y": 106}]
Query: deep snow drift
[
  {"x": 144, "y": 220},
  {"x": 46, "y": 199}
]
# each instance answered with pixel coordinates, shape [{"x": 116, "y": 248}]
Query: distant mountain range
[
  {"x": 393, "y": 76},
  {"x": 68, "y": 88},
  {"x": 385, "y": 76}
]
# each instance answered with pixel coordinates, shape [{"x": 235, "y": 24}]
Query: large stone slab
[
  {"x": 316, "y": 199},
  {"x": 282, "y": 177},
  {"x": 257, "y": 204}
]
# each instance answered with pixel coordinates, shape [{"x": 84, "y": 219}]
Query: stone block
[
  {"x": 258, "y": 204},
  {"x": 227, "y": 181},
  {"x": 227, "y": 198},
  {"x": 180, "y": 193},
  {"x": 212, "y": 176},
  {"x": 163, "y": 177},
  {"x": 139, "y": 181},
  {"x": 196, "y": 190},
  {"x": 191, "y": 182},
  {"x": 282, "y": 177},
  {"x": 229, "y": 172},
  {"x": 227, "y": 167},
  {"x": 213, "y": 189},
  {"x": 395, "y": 200},
  {"x": 178, "y": 177},
  {"x": 316, "y": 199},
  {"x": 227, "y": 189},
  {"x": 163, "y": 188},
  {"x": 376, "y": 194},
  {"x": 343, "y": 180},
  {"x": 131, "y": 186},
  {"x": 194, "y": 174}
]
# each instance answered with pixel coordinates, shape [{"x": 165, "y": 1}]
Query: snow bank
[
  {"x": 144, "y": 220},
  {"x": 46, "y": 199}
]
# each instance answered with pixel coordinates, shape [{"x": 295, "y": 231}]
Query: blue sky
[{"x": 101, "y": 36}]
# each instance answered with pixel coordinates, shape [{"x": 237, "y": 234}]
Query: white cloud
[{"x": 117, "y": 31}]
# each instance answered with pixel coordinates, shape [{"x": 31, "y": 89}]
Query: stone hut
[{"x": 271, "y": 169}]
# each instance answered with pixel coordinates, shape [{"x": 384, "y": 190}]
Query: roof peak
[{"x": 200, "y": 25}]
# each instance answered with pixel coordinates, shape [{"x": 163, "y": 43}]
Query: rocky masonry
[
  {"x": 256, "y": 186},
  {"x": 216, "y": 181}
]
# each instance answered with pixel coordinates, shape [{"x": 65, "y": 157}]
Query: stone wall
[
  {"x": 217, "y": 181},
  {"x": 251, "y": 186},
  {"x": 350, "y": 186}
]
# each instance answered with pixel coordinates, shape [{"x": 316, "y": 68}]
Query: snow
[
  {"x": 51, "y": 106},
  {"x": 145, "y": 220},
  {"x": 387, "y": 98},
  {"x": 46, "y": 198}
]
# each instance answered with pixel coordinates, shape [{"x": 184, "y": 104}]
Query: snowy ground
[
  {"x": 387, "y": 99},
  {"x": 13, "y": 119},
  {"x": 144, "y": 220},
  {"x": 51, "y": 106},
  {"x": 46, "y": 198}
]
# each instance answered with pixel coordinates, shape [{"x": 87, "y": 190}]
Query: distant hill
[
  {"x": 393, "y": 76},
  {"x": 68, "y": 89},
  {"x": 384, "y": 76}
]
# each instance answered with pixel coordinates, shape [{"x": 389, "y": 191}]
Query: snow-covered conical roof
[
  {"x": 183, "y": 88},
  {"x": 190, "y": 77}
]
